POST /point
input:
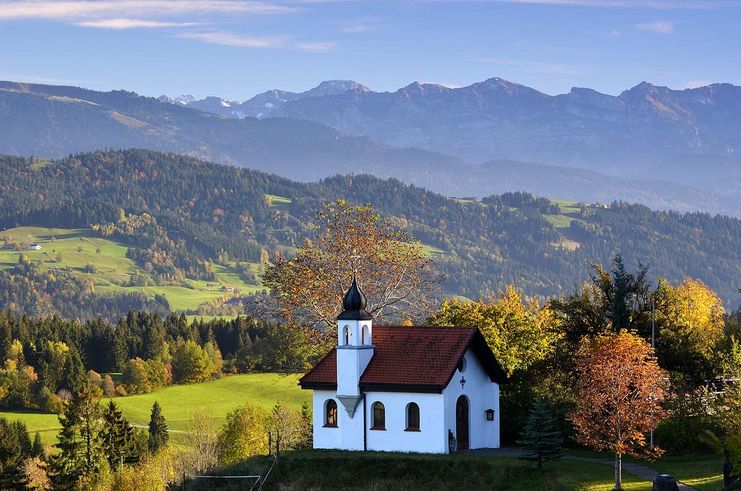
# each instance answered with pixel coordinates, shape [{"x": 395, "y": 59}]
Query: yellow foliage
[{"x": 518, "y": 333}]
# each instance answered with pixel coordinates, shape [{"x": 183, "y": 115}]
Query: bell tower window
[{"x": 346, "y": 335}]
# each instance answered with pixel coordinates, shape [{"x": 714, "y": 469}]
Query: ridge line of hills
[
  {"x": 205, "y": 215},
  {"x": 54, "y": 121}
]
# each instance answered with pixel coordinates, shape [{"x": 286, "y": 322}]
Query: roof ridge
[{"x": 425, "y": 327}]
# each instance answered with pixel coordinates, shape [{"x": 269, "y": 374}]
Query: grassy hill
[
  {"x": 210, "y": 214},
  {"x": 178, "y": 402},
  {"x": 316, "y": 469},
  {"x": 78, "y": 249}
]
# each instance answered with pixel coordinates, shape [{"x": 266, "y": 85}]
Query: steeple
[
  {"x": 354, "y": 304},
  {"x": 354, "y": 346}
]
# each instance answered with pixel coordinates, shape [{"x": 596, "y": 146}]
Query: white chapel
[{"x": 408, "y": 389}]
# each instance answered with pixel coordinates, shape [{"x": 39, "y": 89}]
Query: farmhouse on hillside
[{"x": 408, "y": 389}]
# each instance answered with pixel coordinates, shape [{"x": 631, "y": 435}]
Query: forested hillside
[
  {"x": 50, "y": 121},
  {"x": 180, "y": 218}
]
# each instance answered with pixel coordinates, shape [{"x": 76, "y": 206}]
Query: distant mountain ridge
[
  {"x": 54, "y": 121},
  {"x": 265, "y": 103},
  {"x": 639, "y": 133}
]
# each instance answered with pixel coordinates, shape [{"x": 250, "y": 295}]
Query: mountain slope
[
  {"x": 205, "y": 212},
  {"x": 497, "y": 119},
  {"x": 53, "y": 121}
]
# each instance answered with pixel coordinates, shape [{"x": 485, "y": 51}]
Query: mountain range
[
  {"x": 423, "y": 134},
  {"x": 646, "y": 132}
]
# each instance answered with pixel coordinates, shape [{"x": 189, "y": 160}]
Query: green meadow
[
  {"x": 216, "y": 397},
  {"x": 77, "y": 248}
]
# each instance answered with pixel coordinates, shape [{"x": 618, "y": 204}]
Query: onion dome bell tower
[{"x": 354, "y": 346}]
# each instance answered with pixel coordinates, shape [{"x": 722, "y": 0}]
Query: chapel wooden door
[{"x": 461, "y": 423}]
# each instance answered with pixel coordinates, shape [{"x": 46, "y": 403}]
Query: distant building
[
  {"x": 34, "y": 246},
  {"x": 407, "y": 389},
  {"x": 228, "y": 288}
]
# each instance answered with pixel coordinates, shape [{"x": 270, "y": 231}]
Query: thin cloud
[
  {"x": 236, "y": 40},
  {"x": 609, "y": 34},
  {"x": 659, "y": 27},
  {"x": 78, "y": 10},
  {"x": 37, "y": 79},
  {"x": 315, "y": 47},
  {"x": 694, "y": 84},
  {"x": 652, "y": 4},
  {"x": 132, "y": 24},
  {"x": 534, "y": 65},
  {"x": 241, "y": 41},
  {"x": 360, "y": 24}
]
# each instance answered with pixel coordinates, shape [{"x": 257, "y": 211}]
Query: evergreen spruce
[
  {"x": 541, "y": 438},
  {"x": 15, "y": 446},
  {"x": 37, "y": 448},
  {"x": 75, "y": 375},
  {"x": 157, "y": 429},
  {"x": 79, "y": 441},
  {"x": 118, "y": 437}
]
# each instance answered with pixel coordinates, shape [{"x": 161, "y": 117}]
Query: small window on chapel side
[
  {"x": 412, "y": 417},
  {"x": 330, "y": 415},
  {"x": 379, "y": 416}
]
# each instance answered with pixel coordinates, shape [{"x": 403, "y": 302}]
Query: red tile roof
[{"x": 420, "y": 359}]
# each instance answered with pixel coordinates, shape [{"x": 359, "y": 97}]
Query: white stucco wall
[
  {"x": 394, "y": 438},
  {"x": 326, "y": 437},
  {"x": 482, "y": 394},
  {"x": 436, "y": 412}
]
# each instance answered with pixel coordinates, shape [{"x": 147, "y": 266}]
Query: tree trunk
[{"x": 618, "y": 472}]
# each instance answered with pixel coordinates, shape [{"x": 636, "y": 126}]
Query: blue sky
[{"x": 235, "y": 48}]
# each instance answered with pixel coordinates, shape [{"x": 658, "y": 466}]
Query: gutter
[{"x": 365, "y": 426}]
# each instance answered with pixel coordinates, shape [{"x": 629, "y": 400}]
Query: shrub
[
  {"x": 191, "y": 363},
  {"x": 109, "y": 387}
]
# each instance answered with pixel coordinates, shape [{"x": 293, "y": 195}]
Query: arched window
[
  {"x": 330, "y": 414},
  {"x": 379, "y": 417},
  {"x": 346, "y": 335},
  {"x": 366, "y": 335},
  {"x": 412, "y": 417}
]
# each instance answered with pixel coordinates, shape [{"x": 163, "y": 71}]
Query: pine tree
[
  {"x": 158, "y": 435},
  {"x": 15, "y": 446},
  {"x": 118, "y": 437},
  {"x": 79, "y": 441},
  {"x": 75, "y": 375},
  {"x": 541, "y": 438},
  {"x": 37, "y": 448}
]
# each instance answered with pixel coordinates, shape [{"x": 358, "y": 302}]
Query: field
[
  {"x": 276, "y": 200},
  {"x": 569, "y": 213},
  {"x": 78, "y": 248},
  {"x": 178, "y": 402}
]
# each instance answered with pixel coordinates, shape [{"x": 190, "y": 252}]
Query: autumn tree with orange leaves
[
  {"x": 620, "y": 391},
  {"x": 393, "y": 270}
]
